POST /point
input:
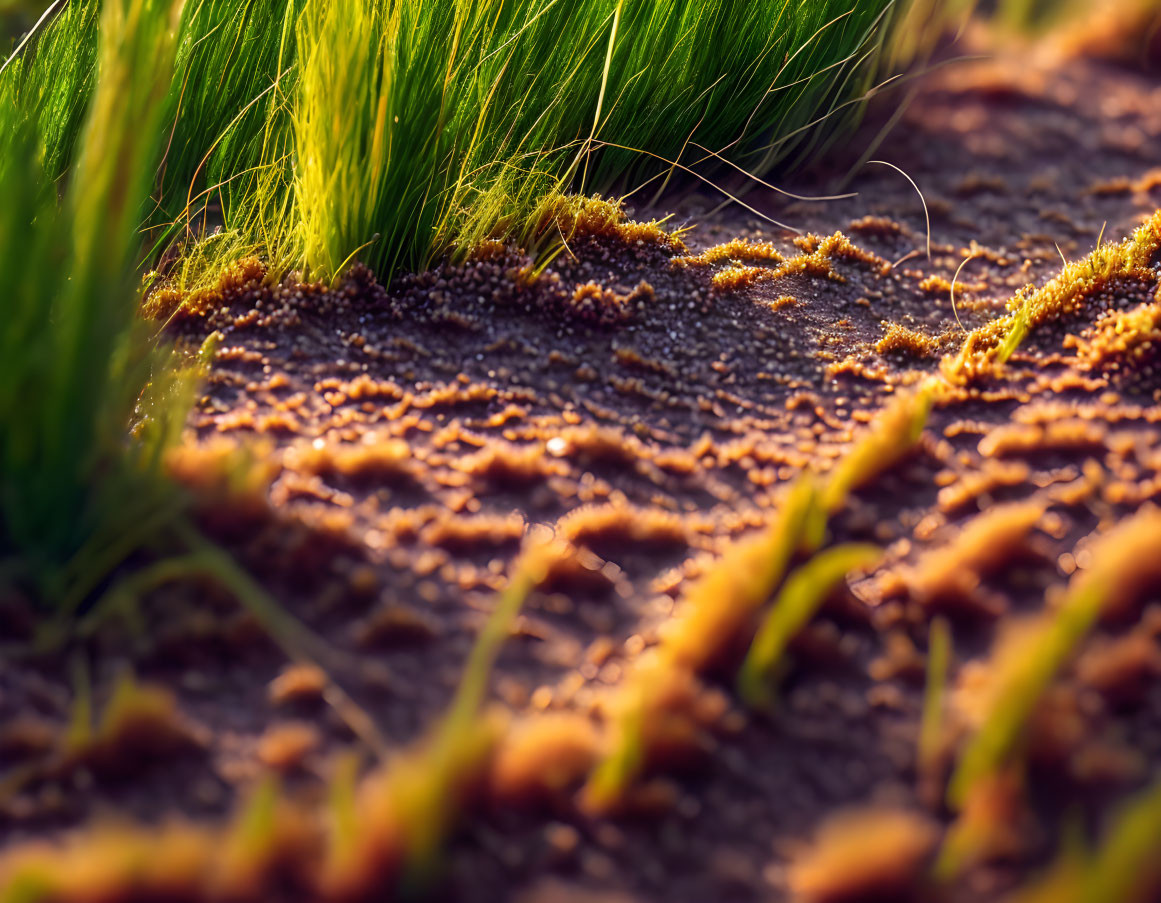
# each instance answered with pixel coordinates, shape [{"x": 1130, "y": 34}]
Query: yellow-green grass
[
  {"x": 434, "y": 123},
  {"x": 988, "y": 348},
  {"x": 1122, "y": 866},
  {"x": 1124, "y": 561},
  {"x": 75, "y": 361},
  {"x": 719, "y": 608},
  {"x": 939, "y": 652},
  {"x": 803, "y": 593}
]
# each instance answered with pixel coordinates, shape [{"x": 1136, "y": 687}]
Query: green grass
[
  {"x": 1124, "y": 866},
  {"x": 1121, "y": 867},
  {"x": 398, "y": 132},
  {"x": 89, "y": 399},
  {"x": 1023, "y": 682},
  {"x": 75, "y": 498},
  {"x": 802, "y": 595},
  {"x": 426, "y": 802},
  {"x": 454, "y": 121},
  {"x": 715, "y": 609},
  {"x": 931, "y": 724},
  {"x": 51, "y": 82},
  {"x": 1024, "y": 665}
]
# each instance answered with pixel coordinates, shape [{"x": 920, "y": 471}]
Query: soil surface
[{"x": 650, "y": 412}]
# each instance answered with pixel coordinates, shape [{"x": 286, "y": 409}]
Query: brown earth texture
[{"x": 636, "y": 414}]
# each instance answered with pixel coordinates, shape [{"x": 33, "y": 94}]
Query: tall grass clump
[
  {"x": 51, "y": 82},
  {"x": 350, "y": 142},
  {"x": 228, "y": 110},
  {"x": 76, "y": 495},
  {"x": 398, "y": 132},
  {"x": 441, "y": 121}
]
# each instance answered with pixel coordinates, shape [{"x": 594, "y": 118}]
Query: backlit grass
[
  {"x": 988, "y": 348},
  {"x": 448, "y": 122},
  {"x": 1025, "y": 664},
  {"x": 805, "y": 591},
  {"x": 397, "y": 132},
  {"x": 719, "y": 609},
  {"x": 75, "y": 498}
]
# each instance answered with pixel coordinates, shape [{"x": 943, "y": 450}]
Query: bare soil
[{"x": 411, "y": 433}]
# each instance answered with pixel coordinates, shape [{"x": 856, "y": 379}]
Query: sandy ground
[{"x": 651, "y": 419}]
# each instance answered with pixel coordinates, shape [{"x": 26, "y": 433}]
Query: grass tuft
[
  {"x": 328, "y": 130},
  {"x": 802, "y": 595},
  {"x": 1123, "y": 559},
  {"x": 988, "y": 348},
  {"x": 75, "y": 499}
]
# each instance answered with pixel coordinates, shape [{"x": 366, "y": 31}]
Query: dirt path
[{"x": 650, "y": 411}]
